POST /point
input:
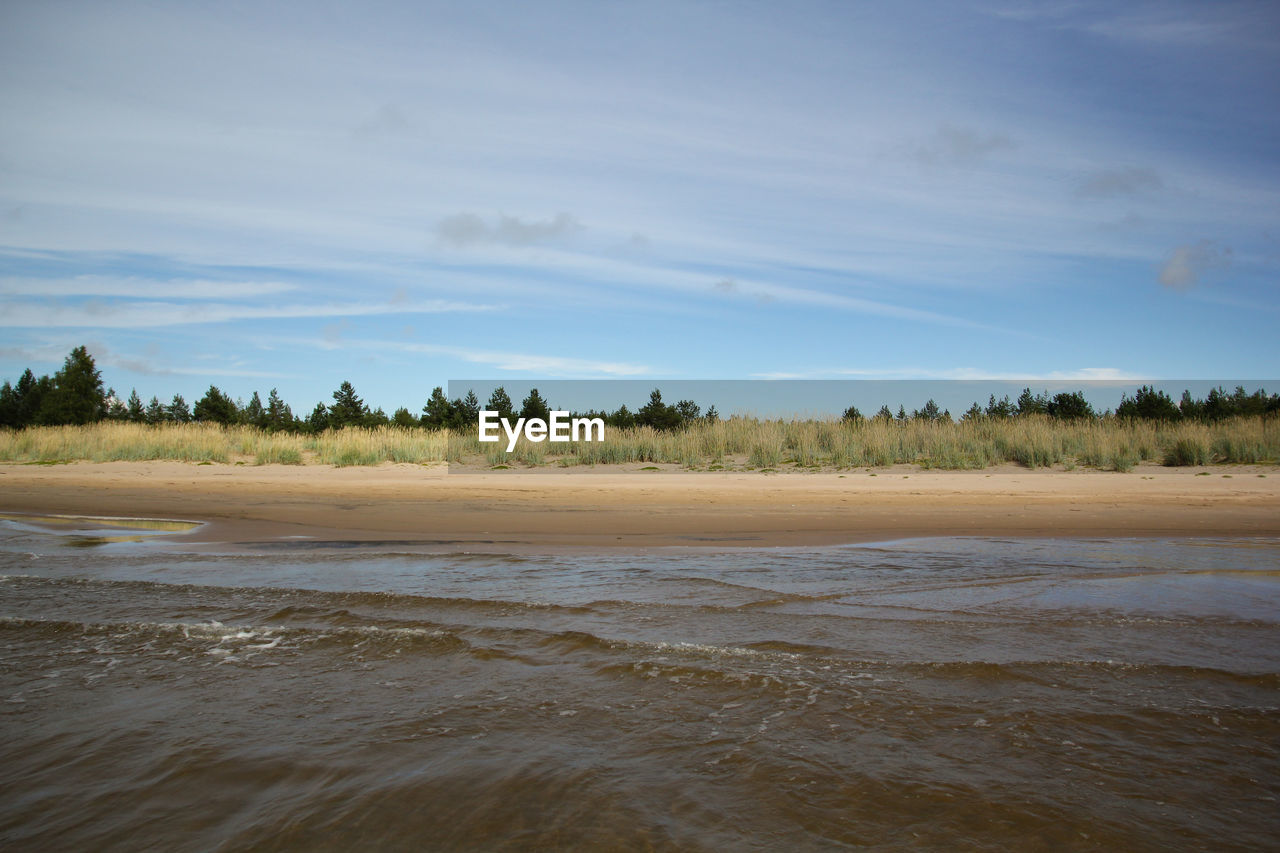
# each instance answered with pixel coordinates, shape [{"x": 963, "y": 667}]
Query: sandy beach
[{"x": 628, "y": 508}]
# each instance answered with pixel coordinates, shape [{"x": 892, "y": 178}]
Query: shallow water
[{"x": 961, "y": 693}]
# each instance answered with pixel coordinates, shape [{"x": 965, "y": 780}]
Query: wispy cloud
[
  {"x": 1186, "y": 265},
  {"x": 138, "y": 315},
  {"x": 466, "y": 229},
  {"x": 521, "y": 362},
  {"x": 145, "y": 288},
  {"x": 959, "y": 146},
  {"x": 1083, "y": 374},
  {"x": 1113, "y": 183}
]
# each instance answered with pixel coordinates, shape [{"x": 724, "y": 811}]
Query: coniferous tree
[
  {"x": 712, "y": 416},
  {"x": 137, "y": 412},
  {"x": 534, "y": 406},
  {"x": 216, "y": 407},
  {"x": 318, "y": 420},
  {"x": 438, "y": 412},
  {"x": 278, "y": 414},
  {"x": 116, "y": 408},
  {"x": 623, "y": 418},
  {"x": 884, "y": 414},
  {"x": 1001, "y": 409},
  {"x": 155, "y": 413},
  {"x": 851, "y": 414},
  {"x": 1031, "y": 404},
  {"x": 974, "y": 413},
  {"x": 254, "y": 413},
  {"x": 500, "y": 402},
  {"x": 657, "y": 414},
  {"x": 347, "y": 409},
  {"x": 1069, "y": 407},
  {"x": 404, "y": 418},
  {"x": 8, "y": 406},
  {"x": 468, "y": 410},
  {"x": 178, "y": 411},
  {"x": 76, "y": 396},
  {"x": 1148, "y": 404}
]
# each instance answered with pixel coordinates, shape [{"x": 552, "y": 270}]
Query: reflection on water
[{"x": 1089, "y": 694}]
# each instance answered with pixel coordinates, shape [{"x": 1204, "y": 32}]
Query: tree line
[{"x": 75, "y": 395}]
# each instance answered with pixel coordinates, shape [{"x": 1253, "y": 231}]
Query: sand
[{"x": 625, "y": 507}]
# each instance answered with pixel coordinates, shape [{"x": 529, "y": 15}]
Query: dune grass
[{"x": 733, "y": 444}]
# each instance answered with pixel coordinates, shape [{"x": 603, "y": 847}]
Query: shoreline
[{"x": 614, "y": 508}]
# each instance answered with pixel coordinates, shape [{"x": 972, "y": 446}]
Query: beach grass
[{"x": 734, "y": 443}]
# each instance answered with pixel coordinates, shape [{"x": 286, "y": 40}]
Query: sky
[{"x": 289, "y": 195}]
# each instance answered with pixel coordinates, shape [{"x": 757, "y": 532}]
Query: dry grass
[{"x": 736, "y": 443}]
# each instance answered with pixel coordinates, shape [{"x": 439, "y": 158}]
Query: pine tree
[
  {"x": 77, "y": 396},
  {"x": 136, "y": 411},
  {"x": 278, "y": 415},
  {"x": 534, "y": 406},
  {"x": 438, "y": 412},
  {"x": 216, "y": 407},
  {"x": 155, "y": 413},
  {"x": 178, "y": 411},
  {"x": 318, "y": 420},
  {"x": 347, "y": 409},
  {"x": 501, "y": 403},
  {"x": 469, "y": 409},
  {"x": 254, "y": 413}
]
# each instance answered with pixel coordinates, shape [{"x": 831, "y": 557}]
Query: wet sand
[{"x": 625, "y": 507}]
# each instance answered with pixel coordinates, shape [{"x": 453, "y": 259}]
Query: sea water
[{"x": 936, "y": 693}]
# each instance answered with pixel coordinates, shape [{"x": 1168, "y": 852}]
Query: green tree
[
  {"x": 974, "y": 413},
  {"x": 657, "y": 414},
  {"x": 623, "y": 418},
  {"x": 688, "y": 411},
  {"x": 999, "y": 409},
  {"x": 930, "y": 412},
  {"x": 466, "y": 412},
  {"x": 534, "y": 406},
  {"x": 712, "y": 416},
  {"x": 438, "y": 412},
  {"x": 347, "y": 409},
  {"x": 137, "y": 413},
  {"x": 178, "y": 411},
  {"x": 254, "y": 413},
  {"x": 155, "y": 412},
  {"x": 216, "y": 407},
  {"x": 500, "y": 402},
  {"x": 278, "y": 414},
  {"x": 1069, "y": 407},
  {"x": 1032, "y": 404},
  {"x": 77, "y": 396},
  {"x": 885, "y": 415},
  {"x": 851, "y": 414},
  {"x": 404, "y": 418},
  {"x": 8, "y": 406},
  {"x": 318, "y": 420},
  {"x": 116, "y": 408},
  {"x": 1148, "y": 404}
]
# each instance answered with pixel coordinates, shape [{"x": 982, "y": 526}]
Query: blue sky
[{"x": 289, "y": 195}]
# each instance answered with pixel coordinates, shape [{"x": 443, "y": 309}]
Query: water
[{"x": 959, "y": 694}]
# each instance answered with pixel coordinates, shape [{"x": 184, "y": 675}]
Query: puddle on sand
[{"x": 89, "y": 531}]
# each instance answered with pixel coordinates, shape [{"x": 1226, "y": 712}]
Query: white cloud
[
  {"x": 545, "y": 365},
  {"x": 136, "y": 287},
  {"x": 137, "y": 315}
]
